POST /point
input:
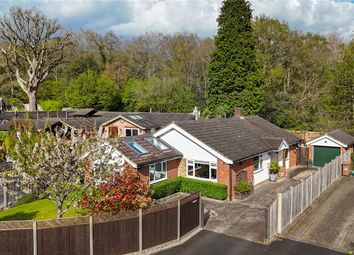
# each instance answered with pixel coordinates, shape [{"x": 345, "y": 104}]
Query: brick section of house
[
  {"x": 223, "y": 177},
  {"x": 182, "y": 167},
  {"x": 172, "y": 168},
  {"x": 247, "y": 166},
  {"x": 292, "y": 155}
]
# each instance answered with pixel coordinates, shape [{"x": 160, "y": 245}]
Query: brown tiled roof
[
  {"x": 154, "y": 154},
  {"x": 238, "y": 138},
  {"x": 342, "y": 137}
]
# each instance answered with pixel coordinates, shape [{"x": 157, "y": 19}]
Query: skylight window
[
  {"x": 136, "y": 147},
  {"x": 156, "y": 143}
]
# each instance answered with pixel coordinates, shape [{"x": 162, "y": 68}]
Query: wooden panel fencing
[
  {"x": 129, "y": 231},
  {"x": 295, "y": 200}
]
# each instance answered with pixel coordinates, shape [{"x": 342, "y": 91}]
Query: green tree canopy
[
  {"x": 161, "y": 95},
  {"x": 90, "y": 89},
  {"x": 235, "y": 77}
]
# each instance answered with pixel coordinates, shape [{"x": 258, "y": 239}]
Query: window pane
[
  {"x": 152, "y": 173},
  {"x": 128, "y": 132},
  {"x": 135, "y": 132},
  {"x": 256, "y": 163},
  {"x": 202, "y": 170},
  {"x": 213, "y": 173},
  {"x": 190, "y": 170},
  {"x": 136, "y": 147},
  {"x": 160, "y": 171}
]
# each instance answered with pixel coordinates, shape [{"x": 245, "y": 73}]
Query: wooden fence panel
[
  {"x": 16, "y": 242},
  {"x": 273, "y": 219},
  {"x": 189, "y": 213},
  {"x": 159, "y": 227},
  {"x": 68, "y": 240},
  {"x": 115, "y": 237}
]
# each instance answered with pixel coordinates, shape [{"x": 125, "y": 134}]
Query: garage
[
  {"x": 323, "y": 154},
  {"x": 327, "y": 147}
]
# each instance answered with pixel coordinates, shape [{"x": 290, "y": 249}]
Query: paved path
[
  {"x": 329, "y": 221},
  {"x": 246, "y": 218},
  {"x": 206, "y": 242}
]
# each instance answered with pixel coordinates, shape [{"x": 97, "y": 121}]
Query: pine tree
[{"x": 235, "y": 76}]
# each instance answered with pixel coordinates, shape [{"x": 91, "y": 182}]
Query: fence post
[
  {"x": 140, "y": 230},
  {"x": 311, "y": 192},
  {"x": 267, "y": 226},
  {"x": 291, "y": 202},
  {"x": 280, "y": 211},
  {"x": 201, "y": 213},
  {"x": 91, "y": 235},
  {"x": 302, "y": 195},
  {"x": 179, "y": 221},
  {"x": 34, "y": 237}
]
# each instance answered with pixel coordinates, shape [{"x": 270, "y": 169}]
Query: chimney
[{"x": 238, "y": 112}]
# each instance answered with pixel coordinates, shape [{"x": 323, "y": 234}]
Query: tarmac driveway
[
  {"x": 246, "y": 218},
  {"x": 329, "y": 221}
]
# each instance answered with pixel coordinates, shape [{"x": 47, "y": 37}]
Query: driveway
[
  {"x": 246, "y": 218},
  {"x": 329, "y": 221},
  {"x": 207, "y": 242}
]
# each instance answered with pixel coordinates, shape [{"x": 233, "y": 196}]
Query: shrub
[
  {"x": 182, "y": 184},
  {"x": 166, "y": 188},
  {"x": 51, "y": 105},
  {"x": 274, "y": 168},
  {"x": 25, "y": 199},
  {"x": 207, "y": 189},
  {"x": 242, "y": 186}
]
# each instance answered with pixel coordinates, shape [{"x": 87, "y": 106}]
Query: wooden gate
[{"x": 190, "y": 213}]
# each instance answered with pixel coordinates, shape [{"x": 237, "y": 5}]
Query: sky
[{"x": 129, "y": 18}]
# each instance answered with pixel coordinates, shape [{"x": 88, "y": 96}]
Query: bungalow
[
  {"x": 328, "y": 146},
  {"x": 225, "y": 150}
]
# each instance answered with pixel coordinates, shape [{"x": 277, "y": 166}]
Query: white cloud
[{"x": 134, "y": 17}]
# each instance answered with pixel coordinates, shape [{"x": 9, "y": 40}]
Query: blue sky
[{"x": 130, "y": 18}]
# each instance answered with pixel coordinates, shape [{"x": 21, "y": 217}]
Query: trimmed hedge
[
  {"x": 206, "y": 188},
  {"x": 166, "y": 188}
]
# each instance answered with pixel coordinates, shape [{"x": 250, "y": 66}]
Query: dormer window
[{"x": 156, "y": 143}]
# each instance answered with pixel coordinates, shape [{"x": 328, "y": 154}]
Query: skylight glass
[
  {"x": 156, "y": 143},
  {"x": 136, "y": 147}
]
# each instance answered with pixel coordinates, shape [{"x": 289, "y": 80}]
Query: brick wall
[
  {"x": 223, "y": 174},
  {"x": 311, "y": 152}
]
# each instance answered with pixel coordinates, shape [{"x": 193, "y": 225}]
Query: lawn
[{"x": 37, "y": 210}]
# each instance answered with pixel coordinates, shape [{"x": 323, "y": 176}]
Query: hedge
[{"x": 182, "y": 184}]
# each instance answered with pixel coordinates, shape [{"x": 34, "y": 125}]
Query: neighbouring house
[
  {"x": 109, "y": 124},
  {"x": 328, "y": 146},
  {"x": 225, "y": 150},
  {"x": 154, "y": 159}
]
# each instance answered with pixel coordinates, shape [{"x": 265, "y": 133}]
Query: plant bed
[
  {"x": 243, "y": 189},
  {"x": 274, "y": 169}
]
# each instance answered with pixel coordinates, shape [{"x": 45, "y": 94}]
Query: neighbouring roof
[
  {"x": 154, "y": 154},
  {"x": 85, "y": 112},
  {"x": 238, "y": 138},
  {"x": 342, "y": 137},
  {"x": 33, "y": 123}
]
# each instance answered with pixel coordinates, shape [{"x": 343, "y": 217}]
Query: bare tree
[{"x": 32, "y": 45}]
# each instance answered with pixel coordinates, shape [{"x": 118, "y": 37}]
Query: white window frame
[
  {"x": 260, "y": 164},
  {"x": 152, "y": 166},
  {"x": 212, "y": 165},
  {"x": 125, "y": 131}
]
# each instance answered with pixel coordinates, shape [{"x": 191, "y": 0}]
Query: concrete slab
[{"x": 329, "y": 221}]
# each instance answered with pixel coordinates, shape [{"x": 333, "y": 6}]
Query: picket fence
[{"x": 296, "y": 199}]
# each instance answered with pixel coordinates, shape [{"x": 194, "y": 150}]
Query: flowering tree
[
  {"x": 58, "y": 168},
  {"x": 124, "y": 191}
]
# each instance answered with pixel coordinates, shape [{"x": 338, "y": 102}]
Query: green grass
[{"x": 37, "y": 210}]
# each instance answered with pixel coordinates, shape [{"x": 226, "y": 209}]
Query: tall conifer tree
[{"x": 235, "y": 76}]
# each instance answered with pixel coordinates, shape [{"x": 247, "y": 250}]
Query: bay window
[{"x": 201, "y": 170}]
